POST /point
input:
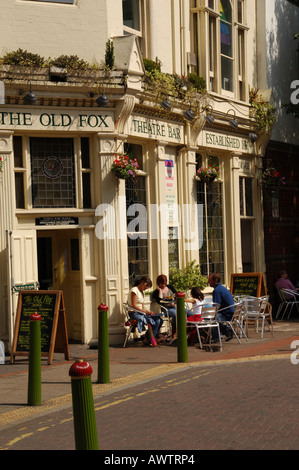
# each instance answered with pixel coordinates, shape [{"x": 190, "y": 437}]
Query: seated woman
[
  {"x": 145, "y": 317},
  {"x": 197, "y": 299},
  {"x": 163, "y": 292}
]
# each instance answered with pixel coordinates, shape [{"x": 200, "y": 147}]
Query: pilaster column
[
  {"x": 110, "y": 227},
  {"x": 234, "y": 230}
]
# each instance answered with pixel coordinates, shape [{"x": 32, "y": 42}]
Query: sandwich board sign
[{"x": 50, "y": 306}]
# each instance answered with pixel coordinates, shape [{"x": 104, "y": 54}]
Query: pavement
[{"x": 130, "y": 366}]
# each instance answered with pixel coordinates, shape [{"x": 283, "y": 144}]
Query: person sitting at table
[
  {"x": 164, "y": 292},
  {"x": 144, "y": 317},
  {"x": 284, "y": 283},
  {"x": 197, "y": 299},
  {"x": 194, "y": 314},
  {"x": 224, "y": 298}
]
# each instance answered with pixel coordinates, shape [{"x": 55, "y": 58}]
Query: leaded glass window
[
  {"x": 52, "y": 172},
  {"x": 136, "y": 219},
  {"x": 209, "y": 195}
]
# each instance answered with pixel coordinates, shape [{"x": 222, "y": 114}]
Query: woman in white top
[
  {"x": 197, "y": 300},
  {"x": 144, "y": 317}
]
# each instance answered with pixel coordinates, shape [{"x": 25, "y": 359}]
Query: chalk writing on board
[{"x": 44, "y": 305}]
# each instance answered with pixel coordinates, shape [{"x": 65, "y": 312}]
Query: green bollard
[
  {"x": 35, "y": 362},
  {"x": 182, "y": 347},
  {"x": 85, "y": 428},
  {"x": 103, "y": 346}
]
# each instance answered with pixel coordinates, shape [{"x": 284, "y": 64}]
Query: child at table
[
  {"x": 194, "y": 314},
  {"x": 198, "y": 301}
]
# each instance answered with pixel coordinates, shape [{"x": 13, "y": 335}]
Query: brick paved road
[{"x": 243, "y": 405}]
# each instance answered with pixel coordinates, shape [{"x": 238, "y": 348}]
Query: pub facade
[{"x": 67, "y": 223}]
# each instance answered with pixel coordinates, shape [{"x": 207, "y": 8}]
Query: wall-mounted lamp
[
  {"x": 234, "y": 121},
  {"x": 103, "y": 101},
  {"x": 253, "y": 137},
  {"x": 189, "y": 114},
  {"x": 209, "y": 117},
  {"x": 166, "y": 104},
  {"x": 30, "y": 98}
]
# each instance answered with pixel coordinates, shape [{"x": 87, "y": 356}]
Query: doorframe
[{"x": 50, "y": 231}]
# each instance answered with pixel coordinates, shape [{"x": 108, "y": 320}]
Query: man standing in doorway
[{"x": 224, "y": 298}]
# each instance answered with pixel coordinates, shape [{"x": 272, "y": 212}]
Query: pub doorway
[{"x": 58, "y": 258}]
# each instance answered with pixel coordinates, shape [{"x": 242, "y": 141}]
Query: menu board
[
  {"x": 50, "y": 306},
  {"x": 251, "y": 284}
]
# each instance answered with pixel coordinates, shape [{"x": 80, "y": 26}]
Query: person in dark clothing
[
  {"x": 163, "y": 293},
  {"x": 224, "y": 298}
]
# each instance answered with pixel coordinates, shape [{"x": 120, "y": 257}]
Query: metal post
[
  {"x": 35, "y": 363},
  {"x": 103, "y": 346},
  {"x": 182, "y": 347},
  {"x": 85, "y": 428}
]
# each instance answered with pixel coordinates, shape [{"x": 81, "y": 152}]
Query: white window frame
[{"x": 203, "y": 18}]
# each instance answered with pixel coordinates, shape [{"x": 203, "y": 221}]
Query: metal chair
[
  {"x": 132, "y": 324},
  {"x": 237, "y": 319},
  {"x": 208, "y": 321},
  {"x": 283, "y": 303},
  {"x": 129, "y": 324},
  {"x": 262, "y": 312},
  {"x": 251, "y": 305},
  {"x": 166, "y": 319},
  {"x": 290, "y": 299}
]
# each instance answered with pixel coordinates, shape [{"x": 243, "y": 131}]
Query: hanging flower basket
[
  {"x": 124, "y": 167},
  {"x": 272, "y": 179},
  {"x": 208, "y": 174}
]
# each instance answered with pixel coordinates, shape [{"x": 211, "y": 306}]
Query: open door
[
  {"x": 59, "y": 269},
  {"x": 22, "y": 269}
]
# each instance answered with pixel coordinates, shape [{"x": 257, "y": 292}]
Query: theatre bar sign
[
  {"x": 157, "y": 129},
  {"x": 51, "y": 119}
]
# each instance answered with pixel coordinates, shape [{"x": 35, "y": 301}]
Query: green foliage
[
  {"x": 173, "y": 86},
  {"x": 70, "y": 62},
  {"x": 264, "y": 112},
  {"x": 109, "y": 55},
  {"x": 23, "y": 58},
  {"x": 198, "y": 82},
  {"x": 161, "y": 85},
  {"x": 188, "y": 277},
  {"x": 151, "y": 65}
]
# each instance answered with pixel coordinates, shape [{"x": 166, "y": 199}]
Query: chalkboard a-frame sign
[
  {"x": 251, "y": 284},
  {"x": 50, "y": 306}
]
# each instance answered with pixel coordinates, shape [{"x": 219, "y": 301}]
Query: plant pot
[{"x": 207, "y": 179}]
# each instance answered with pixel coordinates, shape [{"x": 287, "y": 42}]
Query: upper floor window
[
  {"x": 218, "y": 42},
  {"x": 135, "y": 22},
  {"x": 131, "y": 16},
  {"x": 226, "y": 45}
]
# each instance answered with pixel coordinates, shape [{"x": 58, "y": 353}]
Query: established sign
[
  {"x": 50, "y": 119},
  {"x": 226, "y": 142}
]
